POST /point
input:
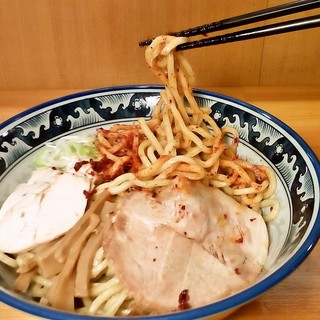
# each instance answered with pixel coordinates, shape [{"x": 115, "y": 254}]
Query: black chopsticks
[
  {"x": 282, "y": 27},
  {"x": 261, "y": 15}
]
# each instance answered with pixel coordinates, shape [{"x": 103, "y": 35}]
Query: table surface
[{"x": 296, "y": 297}]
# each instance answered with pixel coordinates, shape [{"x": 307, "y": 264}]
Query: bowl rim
[{"x": 215, "y": 308}]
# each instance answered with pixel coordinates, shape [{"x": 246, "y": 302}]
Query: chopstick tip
[{"x": 145, "y": 43}]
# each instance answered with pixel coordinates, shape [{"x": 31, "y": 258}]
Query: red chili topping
[
  {"x": 183, "y": 299},
  {"x": 88, "y": 194},
  {"x": 240, "y": 240},
  {"x": 237, "y": 271},
  {"x": 79, "y": 164},
  {"x": 122, "y": 142}
]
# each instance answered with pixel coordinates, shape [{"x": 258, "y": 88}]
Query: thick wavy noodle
[{"x": 181, "y": 139}]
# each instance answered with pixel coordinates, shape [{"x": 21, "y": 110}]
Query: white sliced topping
[{"x": 42, "y": 209}]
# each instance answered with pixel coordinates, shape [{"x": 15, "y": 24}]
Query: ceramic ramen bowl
[{"x": 264, "y": 139}]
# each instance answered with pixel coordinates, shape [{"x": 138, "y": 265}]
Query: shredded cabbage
[{"x": 65, "y": 152}]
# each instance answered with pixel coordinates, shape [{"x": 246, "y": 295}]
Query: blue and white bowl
[{"x": 264, "y": 139}]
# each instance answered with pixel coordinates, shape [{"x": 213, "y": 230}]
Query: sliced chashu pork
[{"x": 188, "y": 246}]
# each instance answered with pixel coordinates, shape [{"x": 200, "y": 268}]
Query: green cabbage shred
[{"x": 65, "y": 152}]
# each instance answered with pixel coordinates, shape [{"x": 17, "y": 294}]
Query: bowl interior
[{"x": 264, "y": 140}]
